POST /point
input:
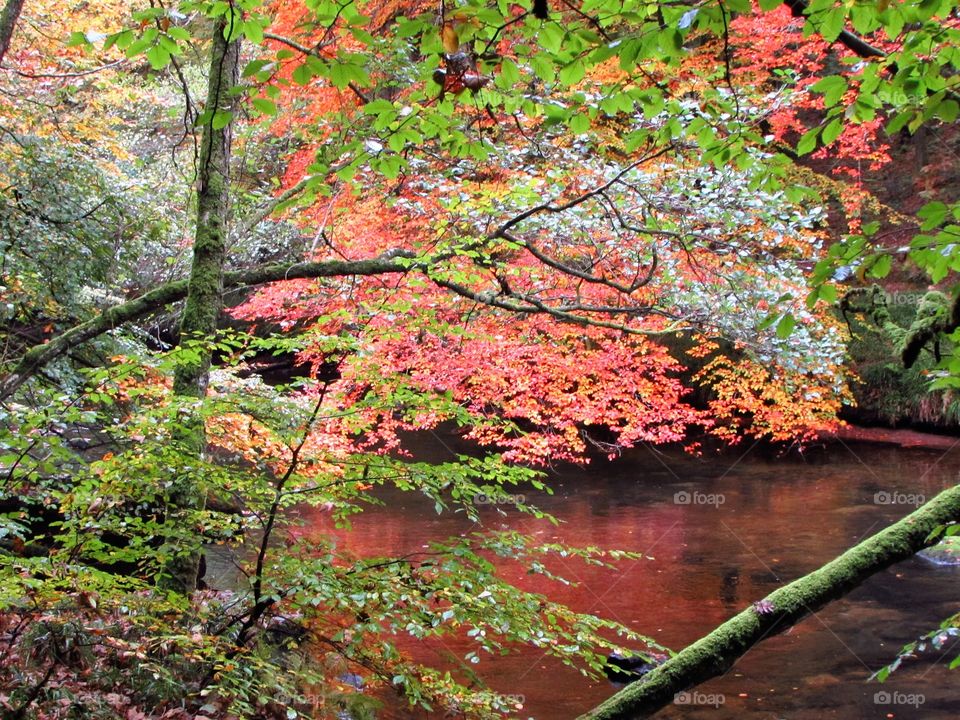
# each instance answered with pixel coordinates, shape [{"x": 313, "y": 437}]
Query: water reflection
[{"x": 720, "y": 533}]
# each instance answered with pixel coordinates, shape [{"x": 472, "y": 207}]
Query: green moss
[
  {"x": 932, "y": 314},
  {"x": 205, "y": 290},
  {"x": 890, "y": 392}
]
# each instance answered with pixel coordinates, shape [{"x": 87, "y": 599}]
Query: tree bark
[
  {"x": 716, "y": 653},
  {"x": 205, "y": 285},
  {"x": 8, "y": 22},
  {"x": 853, "y": 43}
]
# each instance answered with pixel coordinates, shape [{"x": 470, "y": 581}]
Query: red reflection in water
[{"x": 720, "y": 534}]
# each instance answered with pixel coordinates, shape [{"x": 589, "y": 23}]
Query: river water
[{"x": 722, "y": 532}]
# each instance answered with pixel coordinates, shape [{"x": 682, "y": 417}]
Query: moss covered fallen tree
[{"x": 716, "y": 653}]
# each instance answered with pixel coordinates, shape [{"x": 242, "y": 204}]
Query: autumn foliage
[{"x": 558, "y": 237}]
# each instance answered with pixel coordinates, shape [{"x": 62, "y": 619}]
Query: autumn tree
[{"x": 559, "y": 234}]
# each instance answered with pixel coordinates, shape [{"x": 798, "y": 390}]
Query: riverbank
[{"x": 888, "y": 436}]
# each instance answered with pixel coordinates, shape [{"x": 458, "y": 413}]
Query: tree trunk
[
  {"x": 205, "y": 286},
  {"x": 716, "y": 653},
  {"x": 8, "y": 21}
]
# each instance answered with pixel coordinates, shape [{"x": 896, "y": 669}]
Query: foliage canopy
[{"x": 560, "y": 235}]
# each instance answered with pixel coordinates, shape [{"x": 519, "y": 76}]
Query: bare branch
[{"x": 79, "y": 73}]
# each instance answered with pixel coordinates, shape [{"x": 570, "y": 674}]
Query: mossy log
[
  {"x": 158, "y": 298},
  {"x": 716, "y": 653}
]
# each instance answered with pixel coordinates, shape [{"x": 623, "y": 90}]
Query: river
[{"x": 721, "y": 532}]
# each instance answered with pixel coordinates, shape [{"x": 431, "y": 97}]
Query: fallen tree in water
[{"x": 716, "y": 652}]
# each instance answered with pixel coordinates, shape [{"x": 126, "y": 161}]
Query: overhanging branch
[
  {"x": 855, "y": 44},
  {"x": 715, "y": 653},
  {"x": 40, "y": 355},
  {"x": 392, "y": 262}
]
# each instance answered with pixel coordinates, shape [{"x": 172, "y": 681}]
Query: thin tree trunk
[
  {"x": 8, "y": 22},
  {"x": 716, "y": 653},
  {"x": 205, "y": 286}
]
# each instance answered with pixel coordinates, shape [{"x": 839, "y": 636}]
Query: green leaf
[
  {"x": 881, "y": 266},
  {"x": 255, "y": 66},
  {"x": 380, "y": 106},
  {"x": 179, "y": 33},
  {"x": 832, "y": 23},
  {"x": 932, "y": 214},
  {"x": 767, "y": 322},
  {"x": 138, "y": 46},
  {"x": 158, "y": 56},
  {"x": 266, "y": 107},
  {"x": 543, "y": 68},
  {"x": 390, "y": 166},
  {"x": 785, "y": 326},
  {"x": 121, "y": 39},
  {"x": 76, "y": 39},
  {"x": 894, "y": 22},
  {"x": 221, "y": 118},
  {"x": 254, "y": 31},
  {"x": 947, "y": 110},
  {"x": 897, "y": 123},
  {"x": 509, "y": 74},
  {"x": 573, "y": 73},
  {"x": 864, "y": 18},
  {"x": 302, "y": 74},
  {"x": 808, "y": 142},
  {"x": 926, "y": 9},
  {"x": 342, "y": 74},
  {"x": 579, "y": 123},
  {"x": 832, "y": 88},
  {"x": 234, "y": 29},
  {"x": 832, "y": 131},
  {"x": 551, "y": 37}
]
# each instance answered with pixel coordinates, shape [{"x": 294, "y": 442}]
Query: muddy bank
[{"x": 887, "y": 436}]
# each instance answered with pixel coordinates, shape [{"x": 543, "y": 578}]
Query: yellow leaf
[{"x": 451, "y": 43}]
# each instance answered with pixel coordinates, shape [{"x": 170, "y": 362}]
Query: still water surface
[{"x": 752, "y": 523}]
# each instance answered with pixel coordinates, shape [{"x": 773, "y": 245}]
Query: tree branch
[
  {"x": 852, "y": 42},
  {"x": 40, "y": 355},
  {"x": 63, "y": 76}
]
